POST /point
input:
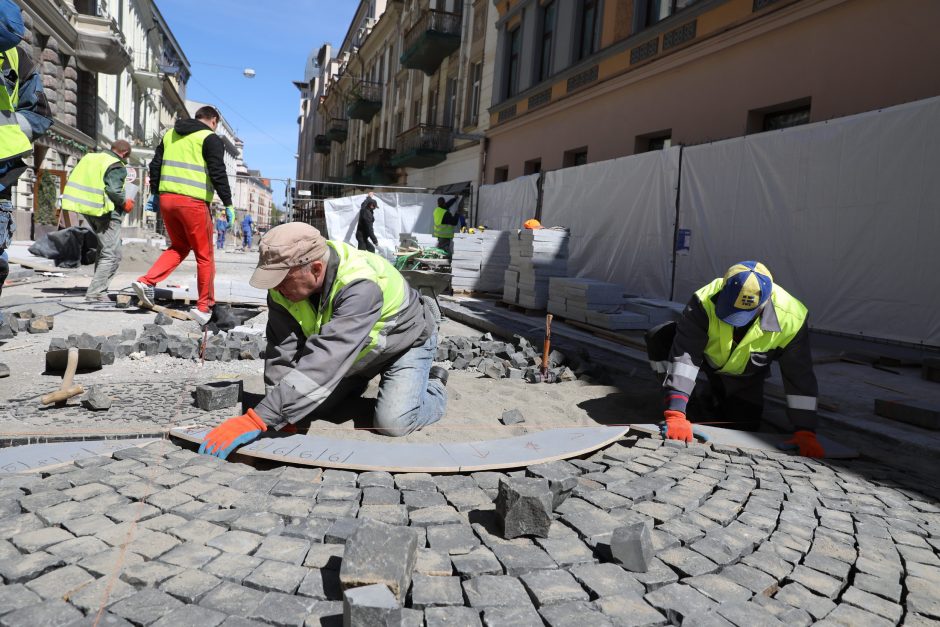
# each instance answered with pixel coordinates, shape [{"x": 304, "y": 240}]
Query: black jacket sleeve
[
  {"x": 213, "y": 151},
  {"x": 155, "y": 164}
]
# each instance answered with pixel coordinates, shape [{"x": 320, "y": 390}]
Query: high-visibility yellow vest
[
  {"x": 13, "y": 141},
  {"x": 354, "y": 265},
  {"x": 441, "y": 230},
  {"x": 184, "y": 168},
  {"x": 84, "y": 192},
  {"x": 791, "y": 314}
]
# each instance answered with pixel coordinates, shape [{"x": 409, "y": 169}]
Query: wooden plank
[
  {"x": 391, "y": 456},
  {"x": 759, "y": 441},
  {"x": 908, "y": 411}
]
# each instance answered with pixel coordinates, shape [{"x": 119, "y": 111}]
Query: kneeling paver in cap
[
  {"x": 377, "y": 553},
  {"x": 524, "y": 507}
]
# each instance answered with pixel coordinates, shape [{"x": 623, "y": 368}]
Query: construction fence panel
[
  {"x": 621, "y": 214},
  {"x": 505, "y": 206},
  {"x": 845, "y": 214},
  {"x": 397, "y": 213}
]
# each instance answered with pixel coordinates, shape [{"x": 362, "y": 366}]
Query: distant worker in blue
[
  {"x": 247, "y": 226},
  {"x": 221, "y": 228}
]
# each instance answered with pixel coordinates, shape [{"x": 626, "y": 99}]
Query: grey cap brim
[{"x": 267, "y": 279}]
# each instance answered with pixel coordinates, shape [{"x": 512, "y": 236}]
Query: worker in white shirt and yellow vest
[
  {"x": 187, "y": 170},
  {"x": 445, "y": 223},
  {"x": 732, "y": 330},
  {"x": 95, "y": 189}
]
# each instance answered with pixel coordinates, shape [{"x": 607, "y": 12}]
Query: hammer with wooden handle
[{"x": 67, "y": 390}]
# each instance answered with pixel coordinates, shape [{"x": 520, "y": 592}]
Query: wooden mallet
[{"x": 67, "y": 390}]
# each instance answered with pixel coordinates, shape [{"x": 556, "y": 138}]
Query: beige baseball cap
[{"x": 284, "y": 247}]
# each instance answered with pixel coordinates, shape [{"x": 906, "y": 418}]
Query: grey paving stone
[
  {"x": 718, "y": 588},
  {"x": 679, "y": 602},
  {"x": 15, "y": 596},
  {"x": 657, "y": 576},
  {"x": 146, "y": 606},
  {"x": 630, "y": 610},
  {"x": 477, "y": 562},
  {"x": 380, "y": 554},
  {"x": 566, "y": 551},
  {"x": 428, "y": 591},
  {"x": 39, "y": 539},
  {"x": 190, "y": 555},
  {"x": 198, "y": 531},
  {"x": 380, "y": 496},
  {"x": 754, "y": 580},
  {"x": 60, "y": 582},
  {"x": 452, "y": 539},
  {"x": 25, "y": 568},
  {"x": 283, "y": 610},
  {"x": 889, "y": 589},
  {"x": 87, "y": 525},
  {"x": 375, "y": 480},
  {"x": 562, "y": 478},
  {"x": 240, "y": 542},
  {"x": 167, "y": 500},
  {"x": 816, "y": 581},
  {"x": 312, "y": 529},
  {"x": 687, "y": 563},
  {"x": 290, "y": 487},
  {"x": 12, "y": 525},
  {"x": 327, "y": 556},
  {"x": 452, "y": 616},
  {"x": 800, "y": 597},
  {"x": 572, "y": 614},
  {"x": 373, "y": 604},
  {"x": 42, "y": 500},
  {"x": 871, "y": 603},
  {"x": 469, "y": 499},
  {"x": 606, "y": 580},
  {"x": 283, "y": 549},
  {"x": 77, "y": 549},
  {"x": 190, "y": 585},
  {"x": 258, "y": 522},
  {"x": 519, "y": 559},
  {"x": 389, "y": 514},
  {"x": 191, "y": 616},
  {"x": 272, "y": 576},
  {"x": 232, "y": 567},
  {"x": 632, "y": 546},
  {"x": 132, "y": 512},
  {"x": 413, "y": 499},
  {"x": 149, "y": 574},
  {"x": 745, "y": 614},
  {"x": 553, "y": 586},
  {"x": 232, "y": 599},
  {"x": 321, "y": 584},
  {"x": 54, "y": 612},
  {"x": 437, "y": 515},
  {"x": 593, "y": 523},
  {"x": 495, "y": 591},
  {"x": 420, "y": 481},
  {"x": 850, "y": 615},
  {"x": 433, "y": 563},
  {"x": 511, "y": 617}
]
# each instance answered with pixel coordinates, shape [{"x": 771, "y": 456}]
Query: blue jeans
[
  {"x": 407, "y": 399},
  {"x": 246, "y": 239},
  {"x": 7, "y": 224}
]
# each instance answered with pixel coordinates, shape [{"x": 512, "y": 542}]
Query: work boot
[
  {"x": 202, "y": 318},
  {"x": 439, "y": 373},
  {"x": 97, "y": 298},
  {"x": 144, "y": 292}
]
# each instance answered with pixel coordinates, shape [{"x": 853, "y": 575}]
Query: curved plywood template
[
  {"x": 361, "y": 455},
  {"x": 39, "y": 457}
]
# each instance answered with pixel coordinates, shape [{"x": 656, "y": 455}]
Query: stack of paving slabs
[
  {"x": 154, "y": 340},
  {"x": 479, "y": 261},
  {"x": 416, "y": 240},
  {"x": 505, "y": 360},
  {"x": 607, "y": 305},
  {"x": 535, "y": 257}
]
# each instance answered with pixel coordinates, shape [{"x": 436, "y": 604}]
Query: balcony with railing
[
  {"x": 365, "y": 100},
  {"x": 378, "y": 169},
  {"x": 354, "y": 172},
  {"x": 422, "y": 146},
  {"x": 433, "y": 38},
  {"x": 321, "y": 144},
  {"x": 101, "y": 45},
  {"x": 337, "y": 129}
]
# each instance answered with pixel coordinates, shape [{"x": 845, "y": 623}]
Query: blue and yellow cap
[{"x": 747, "y": 286}]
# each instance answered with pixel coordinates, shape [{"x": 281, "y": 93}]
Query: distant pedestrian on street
[
  {"x": 26, "y": 113},
  {"x": 247, "y": 226},
  {"x": 95, "y": 189},
  {"x": 365, "y": 231},
  {"x": 188, "y": 168},
  {"x": 444, "y": 223},
  {"x": 221, "y": 228}
]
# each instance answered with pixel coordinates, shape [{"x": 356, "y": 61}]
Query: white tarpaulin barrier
[
  {"x": 845, "y": 214},
  {"x": 505, "y": 206},
  {"x": 396, "y": 213},
  {"x": 622, "y": 216}
]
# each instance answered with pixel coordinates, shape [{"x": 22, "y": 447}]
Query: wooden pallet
[{"x": 520, "y": 308}]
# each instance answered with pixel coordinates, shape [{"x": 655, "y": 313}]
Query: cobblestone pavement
[
  {"x": 161, "y": 536},
  {"x": 137, "y": 408}
]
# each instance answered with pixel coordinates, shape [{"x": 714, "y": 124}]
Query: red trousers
[{"x": 189, "y": 226}]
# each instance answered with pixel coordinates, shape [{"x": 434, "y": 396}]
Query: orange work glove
[
  {"x": 128, "y": 205},
  {"x": 676, "y": 427},
  {"x": 807, "y": 444},
  {"x": 232, "y": 433}
]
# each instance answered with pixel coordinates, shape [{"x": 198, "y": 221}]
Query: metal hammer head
[{"x": 88, "y": 359}]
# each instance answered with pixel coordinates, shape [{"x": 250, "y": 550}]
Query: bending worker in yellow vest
[
  {"x": 732, "y": 329},
  {"x": 95, "y": 189},
  {"x": 338, "y": 316}
]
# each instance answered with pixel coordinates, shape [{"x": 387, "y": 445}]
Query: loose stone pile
[
  {"x": 161, "y": 536},
  {"x": 506, "y": 360},
  {"x": 155, "y": 340},
  {"x": 24, "y": 321}
]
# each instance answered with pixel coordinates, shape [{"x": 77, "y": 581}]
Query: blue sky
[{"x": 274, "y": 38}]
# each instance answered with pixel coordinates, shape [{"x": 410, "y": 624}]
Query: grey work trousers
[{"x": 108, "y": 230}]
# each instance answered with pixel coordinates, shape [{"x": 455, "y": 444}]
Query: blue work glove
[{"x": 231, "y": 434}]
